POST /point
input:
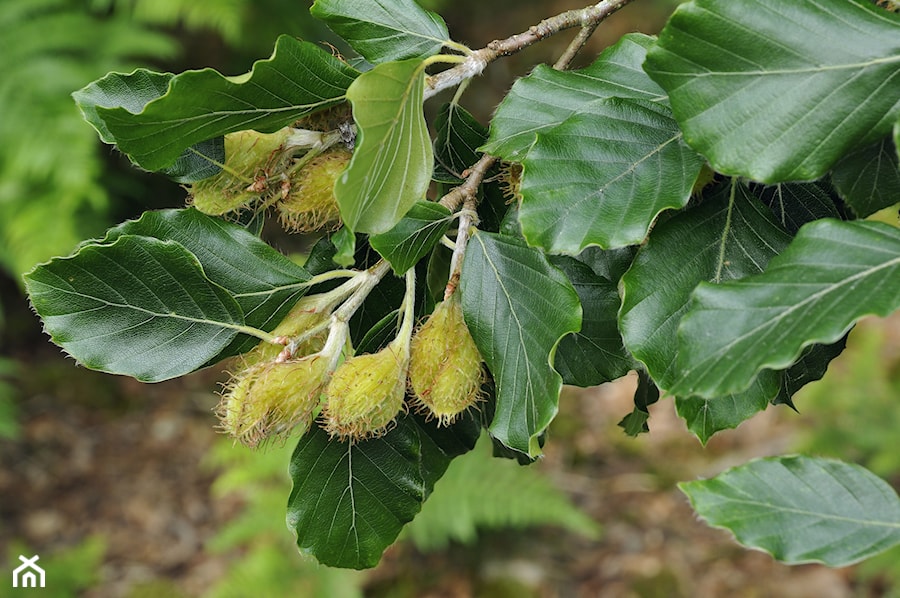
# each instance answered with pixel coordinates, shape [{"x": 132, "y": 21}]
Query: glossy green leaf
[
  {"x": 779, "y": 91},
  {"x": 459, "y": 135},
  {"x": 603, "y": 175},
  {"x": 391, "y": 166},
  {"x": 705, "y": 417},
  {"x": 868, "y": 179},
  {"x": 595, "y": 354},
  {"x": 547, "y": 97},
  {"x": 897, "y": 137},
  {"x": 384, "y": 30},
  {"x": 139, "y": 306},
  {"x": 795, "y": 204},
  {"x": 646, "y": 394},
  {"x": 298, "y": 79},
  {"x": 200, "y": 161},
  {"x": 810, "y": 367},
  {"x": 350, "y": 501},
  {"x": 721, "y": 239},
  {"x": 264, "y": 282},
  {"x": 802, "y": 509},
  {"x": 832, "y": 274},
  {"x": 414, "y": 236},
  {"x": 518, "y": 307}
]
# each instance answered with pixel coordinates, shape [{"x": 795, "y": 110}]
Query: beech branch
[{"x": 587, "y": 18}]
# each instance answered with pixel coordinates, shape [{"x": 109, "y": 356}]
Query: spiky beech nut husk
[
  {"x": 366, "y": 393},
  {"x": 445, "y": 365},
  {"x": 306, "y": 314},
  {"x": 269, "y": 400},
  {"x": 328, "y": 119},
  {"x": 706, "y": 176},
  {"x": 251, "y": 160},
  {"x": 511, "y": 181},
  {"x": 311, "y": 205}
]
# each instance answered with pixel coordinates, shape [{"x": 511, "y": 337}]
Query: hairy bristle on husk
[
  {"x": 366, "y": 394},
  {"x": 445, "y": 366},
  {"x": 311, "y": 205},
  {"x": 268, "y": 401}
]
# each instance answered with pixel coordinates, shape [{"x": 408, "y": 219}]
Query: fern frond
[{"x": 481, "y": 492}]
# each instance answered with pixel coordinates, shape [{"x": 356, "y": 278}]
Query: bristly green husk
[
  {"x": 311, "y": 204},
  {"x": 366, "y": 394},
  {"x": 268, "y": 401},
  {"x": 250, "y": 159},
  {"x": 445, "y": 365}
]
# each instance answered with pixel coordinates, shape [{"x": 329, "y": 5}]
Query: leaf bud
[
  {"x": 310, "y": 204},
  {"x": 366, "y": 393},
  {"x": 269, "y": 400},
  {"x": 445, "y": 365}
]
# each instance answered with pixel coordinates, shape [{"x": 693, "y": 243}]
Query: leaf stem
[
  {"x": 727, "y": 228},
  {"x": 475, "y": 63},
  {"x": 575, "y": 46}
]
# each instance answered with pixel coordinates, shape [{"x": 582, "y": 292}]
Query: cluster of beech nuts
[
  {"x": 291, "y": 170},
  {"x": 309, "y": 373},
  {"x": 270, "y": 398}
]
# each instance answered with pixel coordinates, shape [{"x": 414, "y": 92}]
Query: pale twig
[
  {"x": 475, "y": 62},
  {"x": 466, "y": 195}
]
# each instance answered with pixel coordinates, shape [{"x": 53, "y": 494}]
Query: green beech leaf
[
  {"x": 391, "y": 166},
  {"x": 298, "y": 79},
  {"x": 459, "y": 135},
  {"x": 547, "y": 97},
  {"x": 594, "y": 354},
  {"x": 868, "y": 179},
  {"x": 646, "y": 394},
  {"x": 384, "y": 30},
  {"x": 414, "y": 236},
  {"x": 200, "y": 161},
  {"x": 264, "y": 282},
  {"x": 603, "y": 175},
  {"x": 802, "y": 509},
  {"x": 795, "y": 204},
  {"x": 705, "y": 417},
  {"x": 832, "y": 274},
  {"x": 810, "y": 367},
  {"x": 350, "y": 500},
  {"x": 131, "y": 92},
  {"x": 897, "y": 137},
  {"x": 518, "y": 307},
  {"x": 721, "y": 239},
  {"x": 139, "y": 306},
  {"x": 784, "y": 98}
]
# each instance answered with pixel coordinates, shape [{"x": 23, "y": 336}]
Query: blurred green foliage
[
  {"x": 68, "y": 571},
  {"x": 854, "y": 413},
  {"x": 51, "y": 195},
  {"x": 56, "y": 185}
]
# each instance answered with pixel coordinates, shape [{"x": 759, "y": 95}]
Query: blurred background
[{"x": 125, "y": 489}]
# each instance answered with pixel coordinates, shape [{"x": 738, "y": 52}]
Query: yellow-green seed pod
[
  {"x": 311, "y": 205},
  {"x": 251, "y": 160},
  {"x": 306, "y": 314},
  {"x": 269, "y": 400},
  {"x": 445, "y": 365},
  {"x": 706, "y": 176},
  {"x": 366, "y": 393},
  {"x": 511, "y": 181}
]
